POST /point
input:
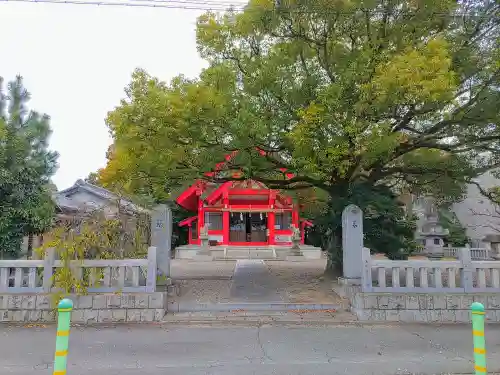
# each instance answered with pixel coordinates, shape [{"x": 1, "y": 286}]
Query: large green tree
[
  {"x": 336, "y": 92},
  {"x": 26, "y": 166},
  {"x": 387, "y": 228},
  {"x": 341, "y": 93}
]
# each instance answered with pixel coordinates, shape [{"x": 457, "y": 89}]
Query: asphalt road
[{"x": 233, "y": 350}]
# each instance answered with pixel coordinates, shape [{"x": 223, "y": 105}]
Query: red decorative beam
[
  {"x": 248, "y": 192},
  {"x": 188, "y": 221},
  {"x": 217, "y": 193}
]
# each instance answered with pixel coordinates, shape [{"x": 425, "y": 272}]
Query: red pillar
[
  {"x": 271, "y": 217},
  {"x": 295, "y": 216},
  {"x": 225, "y": 219},
  {"x": 302, "y": 232},
  {"x": 270, "y": 225},
  {"x": 201, "y": 218}
]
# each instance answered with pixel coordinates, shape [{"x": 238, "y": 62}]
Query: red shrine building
[{"x": 240, "y": 213}]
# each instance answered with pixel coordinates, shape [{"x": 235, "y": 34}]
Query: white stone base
[
  {"x": 349, "y": 281},
  {"x": 87, "y": 309},
  {"x": 311, "y": 253},
  {"x": 419, "y": 307},
  {"x": 248, "y": 252},
  {"x": 295, "y": 258},
  {"x": 203, "y": 258},
  {"x": 186, "y": 253}
]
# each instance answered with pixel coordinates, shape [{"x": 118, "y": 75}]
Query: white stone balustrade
[
  {"x": 476, "y": 253},
  {"x": 430, "y": 276},
  {"x": 121, "y": 275}
]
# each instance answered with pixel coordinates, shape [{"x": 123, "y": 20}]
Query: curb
[
  {"x": 240, "y": 317},
  {"x": 259, "y": 323},
  {"x": 240, "y": 307}
]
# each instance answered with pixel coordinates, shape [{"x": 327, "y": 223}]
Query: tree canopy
[
  {"x": 337, "y": 92},
  {"x": 26, "y": 166},
  {"x": 387, "y": 228},
  {"x": 347, "y": 95}
]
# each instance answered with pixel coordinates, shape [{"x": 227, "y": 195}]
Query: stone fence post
[
  {"x": 152, "y": 270},
  {"x": 366, "y": 277},
  {"x": 352, "y": 244},
  {"x": 48, "y": 264},
  {"x": 467, "y": 271},
  {"x": 161, "y": 237}
]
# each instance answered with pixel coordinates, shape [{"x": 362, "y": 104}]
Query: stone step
[
  {"x": 307, "y": 318},
  {"x": 178, "y": 306},
  {"x": 252, "y": 254},
  {"x": 246, "y": 247},
  {"x": 244, "y": 252}
]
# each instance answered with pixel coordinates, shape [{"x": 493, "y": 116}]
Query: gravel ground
[
  {"x": 187, "y": 269},
  {"x": 305, "y": 282},
  {"x": 202, "y": 282},
  {"x": 210, "y": 282},
  {"x": 203, "y": 291}
]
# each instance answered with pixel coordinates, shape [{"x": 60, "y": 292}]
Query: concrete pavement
[{"x": 230, "y": 350}]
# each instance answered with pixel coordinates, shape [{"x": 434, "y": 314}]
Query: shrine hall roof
[{"x": 189, "y": 198}]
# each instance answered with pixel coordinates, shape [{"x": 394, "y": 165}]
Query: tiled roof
[{"x": 61, "y": 197}]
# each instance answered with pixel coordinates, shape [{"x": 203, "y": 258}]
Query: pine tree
[{"x": 26, "y": 166}]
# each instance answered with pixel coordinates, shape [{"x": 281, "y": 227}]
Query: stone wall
[
  {"x": 419, "y": 307},
  {"x": 89, "y": 309}
]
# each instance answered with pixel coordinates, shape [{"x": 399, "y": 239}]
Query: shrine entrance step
[
  {"x": 232, "y": 252},
  {"x": 254, "y": 307}
]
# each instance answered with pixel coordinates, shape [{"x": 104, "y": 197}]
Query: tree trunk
[
  {"x": 29, "y": 250},
  {"x": 334, "y": 251}
]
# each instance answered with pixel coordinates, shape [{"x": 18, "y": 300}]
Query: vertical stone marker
[
  {"x": 161, "y": 236},
  {"x": 352, "y": 243}
]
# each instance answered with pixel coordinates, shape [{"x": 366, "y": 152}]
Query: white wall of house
[{"x": 477, "y": 214}]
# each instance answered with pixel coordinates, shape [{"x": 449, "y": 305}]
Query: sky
[{"x": 76, "y": 61}]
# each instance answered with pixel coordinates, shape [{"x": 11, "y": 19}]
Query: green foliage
[
  {"x": 92, "y": 178},
  {"x": 145, "y": 197},
  {"x": 94, "y": 235},
  {"x": 386, "y": 227},
  {"x": 352, "y": 93},
  {"x": 449, "y": 220},
  {"x": 400, "y": 91},
  {"x": 26, "y": 166}
]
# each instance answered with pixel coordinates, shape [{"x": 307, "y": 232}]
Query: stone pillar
[
  {"x": 295, "y": 241},
  {"x": 161, "y": 237},
  {"x": 204, "y": 254},
  {"x": 494, "y": 248},
  {"x": 352, "y": 243}
]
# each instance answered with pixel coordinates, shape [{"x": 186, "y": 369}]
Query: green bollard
[
  {"x": 478, "y": 338},
  {"x": 63, "y": 324}
]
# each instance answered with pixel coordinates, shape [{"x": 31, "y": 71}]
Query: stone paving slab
[{"x": 252, "y": 282}]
